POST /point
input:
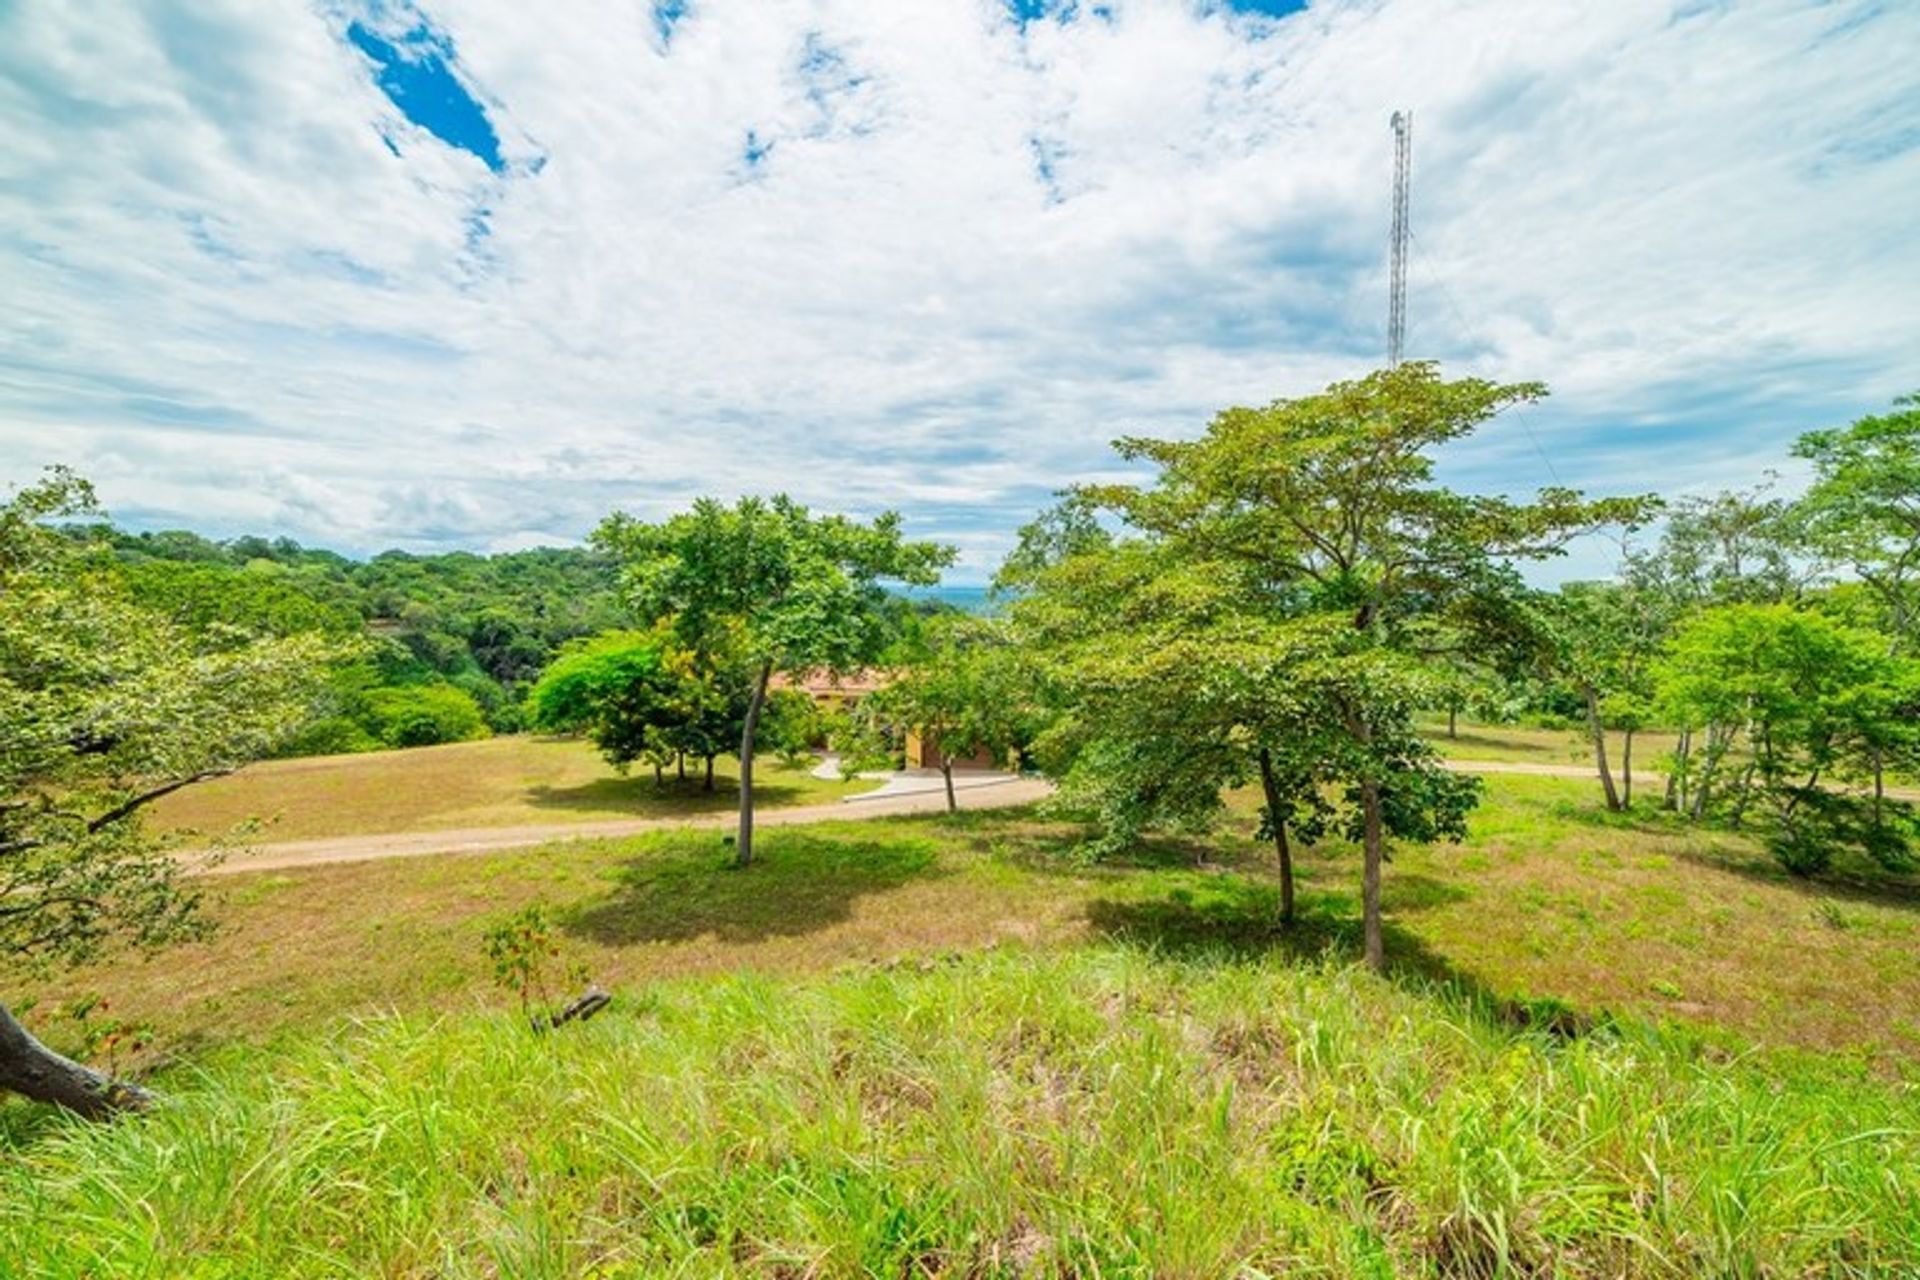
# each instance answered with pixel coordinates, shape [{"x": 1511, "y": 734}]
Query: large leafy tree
[
  {"x": 1863, "y": 508},
  {"x": 1863, "y": 512},
  {"x": 1174, "y": 681},
  {"x": 107, "y": 708},
  {"x": 965, "y": 691},
  {"x": 1326, "y": 505},
  {"x": 785, "y": 589},
  {"x": 640, "y": 696},
  {"x": 1788, "y": 701}
]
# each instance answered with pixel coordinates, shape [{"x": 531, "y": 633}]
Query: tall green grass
[{"x": 1095, "y": 1112}]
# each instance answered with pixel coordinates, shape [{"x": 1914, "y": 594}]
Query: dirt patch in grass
[
  {"x": 1551, "y": 899},
  {"x": 499, "y": 782}
]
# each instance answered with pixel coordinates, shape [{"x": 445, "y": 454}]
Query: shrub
[{"x": 423, "y": 715}]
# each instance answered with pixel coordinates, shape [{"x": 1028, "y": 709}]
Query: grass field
[
  {"x": 1611, "y": 1047},
  {"x": 1521, "y": 744},
  {"x": 1088, "y": 1112},
  {"x": 525, "y": 780},
  {"x": 1550, "y": 898},
  {"x": 507, "y": 781}
]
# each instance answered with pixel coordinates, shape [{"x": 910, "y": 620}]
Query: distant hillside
[{"x": 457, "y": 636}]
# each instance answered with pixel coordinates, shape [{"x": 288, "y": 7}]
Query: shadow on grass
[
  {"x": 1240, "y": 919},
  {"x": 1853, "y": 878},
  {"x": 1242, "y": 915},
  {"x": 687, "y": 887},
  {"x": 642, "y": 797},
  {"x": 1052, "y": 844},
  {"x": 1856, "y": 880}
]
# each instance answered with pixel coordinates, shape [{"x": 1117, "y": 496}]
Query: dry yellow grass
[
  {"x": 1550, "y": 898},
  {"x": 507, "y": 781}
]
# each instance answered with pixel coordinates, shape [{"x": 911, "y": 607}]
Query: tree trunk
[
  {"x": 1676, "y": 784},
  {"x": 1741, "y": 795},
  {"x": 680, "y": 765},
  {"x": 1879, "y": 782},
  {"x": 1375, "y": 838},
  {"x": 946, "y": 772},
  {"x": 1453, "y": 722},
  {"x": 1626, "y": 770},
  {"x": 706, "y": 784},
  {"x": 659, "y": 778},
  {"x": 1271, "y": 786},
  {"x": 1600, "y": 748},
  {"x": 29, "y": 1068},
  {"x": 747, "y": 731},
  {"x": 1717, "y": 742}
]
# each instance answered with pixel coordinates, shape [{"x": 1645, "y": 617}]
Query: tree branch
[{"x": 119, "y": 811}]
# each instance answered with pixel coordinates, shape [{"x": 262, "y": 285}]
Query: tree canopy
[
  {"x": 109, "y": 706},
  {"x": 773, "y": 583}
]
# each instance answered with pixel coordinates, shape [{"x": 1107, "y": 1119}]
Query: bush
[
  {"x": 334, "y": 736},
  {"x": 423, "y": 715}
]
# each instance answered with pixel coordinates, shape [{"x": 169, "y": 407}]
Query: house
[{"x": 840, "y": 692}]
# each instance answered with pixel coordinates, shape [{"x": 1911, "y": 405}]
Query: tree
[
  {"x": 964, "y": 693},
  {"x": 1326, "y": 505},
  {"x": 770, "y": 581},
  {"x": 1863, "y": 512},
  {"x": 1788, "y": 700},
  {"x": 1603, "y": 636},
  {"x": 423, "y": 715},
  {"x": 640, "y": 696},
  {"x": 1172, "y": 679},
  {"x": 108, "y": 707},
  {"x": 1737, "y": 547}
]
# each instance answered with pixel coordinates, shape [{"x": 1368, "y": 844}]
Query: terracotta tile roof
[{"x": 825, "y": 684}]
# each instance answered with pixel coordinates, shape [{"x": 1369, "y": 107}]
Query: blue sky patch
[
  {"x": 667, "y": 14},
  {"x": 1027, "y": 12},
  {"x": 756, "y": 150},
  {"x": 1046, "y": 166},
  {"x": 1266, "y": 8},
  {"x": 416, "y": 72}
]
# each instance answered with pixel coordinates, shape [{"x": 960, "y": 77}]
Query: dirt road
[{"x": 293, "y": 854}]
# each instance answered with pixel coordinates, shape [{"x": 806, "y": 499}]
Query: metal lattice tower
[{"x": 1397, "y": 281}]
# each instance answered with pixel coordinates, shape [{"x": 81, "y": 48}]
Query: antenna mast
[{"x": 1397, "y": 283}]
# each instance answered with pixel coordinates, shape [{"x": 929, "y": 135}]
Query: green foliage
[
  {"x": 1787, "y": 702},
  {"x": 108, "y": 706},
  {"x": 526, "y": 961},
  {"x": 766, "y": 586},
  {"x": 786, "y": 589},
  {"x": 1080, "y": 1112},
  {"x": 585, "y": 683},
  {"x": 1734, "y": 548},
  {"x": 792, "y": 724},
  {"x": 486, "y": 625},
  {"x": 966, "y": 691},
  {"x": 1863, "y": 509},
  {"x": 1292, "y": 574},
  {"x": 640, "y": 696},
  {"x": 423, "y": 715}
]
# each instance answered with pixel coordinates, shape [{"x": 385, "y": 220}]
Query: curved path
[
  {"x": 289, "y": 855},
  {"x": 999, "y": 792}
]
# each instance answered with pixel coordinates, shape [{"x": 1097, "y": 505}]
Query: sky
[{"x": 472, "y": 273}]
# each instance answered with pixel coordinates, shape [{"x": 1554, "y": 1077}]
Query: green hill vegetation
[{"x": 1282, "y": 979}]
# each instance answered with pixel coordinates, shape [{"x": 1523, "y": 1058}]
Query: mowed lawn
[
  {"x": 520, "y": 780},
  {"x": 1550, "y": 899},
  {"x": 1524, "y": 744}
]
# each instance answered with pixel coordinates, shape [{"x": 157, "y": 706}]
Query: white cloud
[{"x": 228, "y": 300}]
